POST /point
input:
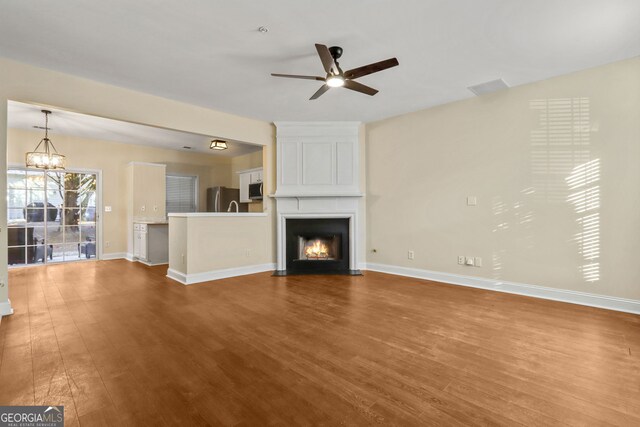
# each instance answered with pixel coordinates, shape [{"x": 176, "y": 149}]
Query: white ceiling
[
  {"x": 26, "y": 116},
  {"x": 210, "y": 53}
]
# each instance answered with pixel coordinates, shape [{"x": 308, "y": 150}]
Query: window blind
[{"x": 181, "y": 193}]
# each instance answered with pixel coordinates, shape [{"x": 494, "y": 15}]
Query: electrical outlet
[
  {"x": 247, "y": 253},
  {"x": 478, "y": 261},
  {"x": 469, "y": 261},
  {"x": 107, "y": 244},
  {"x": 461, "y": 259},
  {"x": 411, "y": 255},
  {"x": 143, "y": 208},
  {"x": 155, "y": 209},
  {"x": 107, "y": 208}
]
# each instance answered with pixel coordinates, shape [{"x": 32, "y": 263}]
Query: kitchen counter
[{"x": 216, "y": 214}]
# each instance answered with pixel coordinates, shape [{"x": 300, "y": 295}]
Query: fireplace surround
[
  {"x": 318, "y": 183},
  {"x": 317, "y": 245}
]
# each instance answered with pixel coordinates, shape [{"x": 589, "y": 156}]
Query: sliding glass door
[{"x": 52, "y": 216}]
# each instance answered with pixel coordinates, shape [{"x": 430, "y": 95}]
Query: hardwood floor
[{"x": 119, "y": 344}]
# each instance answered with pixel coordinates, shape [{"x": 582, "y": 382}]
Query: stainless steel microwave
[{"x": 255, "y": 191}]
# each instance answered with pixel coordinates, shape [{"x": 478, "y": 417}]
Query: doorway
[{"x": 52, "y": 216}]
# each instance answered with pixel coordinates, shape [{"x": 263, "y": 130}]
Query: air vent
[
  {"x": 186, "y": 147},
  {"x": 488, "y": 87}
]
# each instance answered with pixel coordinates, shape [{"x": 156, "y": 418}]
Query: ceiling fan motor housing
[{"x": 336, "y": 52}]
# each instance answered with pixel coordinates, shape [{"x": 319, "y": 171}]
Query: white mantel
[
  {"x": 319, "y": 158},
  {"x": 318, "y": 176}
]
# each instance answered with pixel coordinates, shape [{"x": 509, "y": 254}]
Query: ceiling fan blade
[
  {"x": 359, "y": 87},
  {"x": 294, "y": 76},
  {"x": 320, "y": 91},
  {"x": 371, "y": 68},
  {"x": 327, "y": 60}
]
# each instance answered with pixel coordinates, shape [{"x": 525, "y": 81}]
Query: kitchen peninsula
[{"x": 207, "y": 246}]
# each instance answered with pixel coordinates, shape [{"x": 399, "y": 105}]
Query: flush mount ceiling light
[
  {"x": 48, "y": 157},
  {"x": 218, "y": 144}
]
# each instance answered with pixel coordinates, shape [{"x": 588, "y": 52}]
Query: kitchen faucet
[{"x": 237, "y": 207}]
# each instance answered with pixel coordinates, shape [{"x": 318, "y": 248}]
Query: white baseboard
[
  {"x": 573, "y": 297},
  {"x": 151, "y": 264},
  {"x": 177, "y": 276},
  {"x": 189, "y": 279},
  {"x": 114, "y": 255},
  {"x": 5, "y": 308}
]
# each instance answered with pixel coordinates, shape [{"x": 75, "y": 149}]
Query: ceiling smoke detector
[{"x": 488, "y": 87}]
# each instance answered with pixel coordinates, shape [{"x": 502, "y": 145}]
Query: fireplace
[
  {"x": 317, "y": 245},
  {"x": 319, "y": 198}
]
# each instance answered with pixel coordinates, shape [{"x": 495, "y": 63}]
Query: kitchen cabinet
[
  {"x": 151, "y": 243},
  {"x": 249, "y": 176},
  {"x": 146, "y": 192},
  {"x": 256, "y": 176},
  {"x": 245, "y": 180}
]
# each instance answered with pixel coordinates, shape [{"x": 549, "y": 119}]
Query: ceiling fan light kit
[
  {"x": 336, "y": 77},
  {"x": 335, "y": 81}
]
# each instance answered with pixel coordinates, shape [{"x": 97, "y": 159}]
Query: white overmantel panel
[{"x": 319, "y": 158}]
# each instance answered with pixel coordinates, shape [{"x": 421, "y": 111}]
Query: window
[
  {"x": 51, "y": 216},
  {"x": 182, "y": 193}
]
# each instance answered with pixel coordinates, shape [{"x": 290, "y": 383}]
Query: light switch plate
[
  {"x": 107, "y": 208},
  {"x": 472, "y": 200}
]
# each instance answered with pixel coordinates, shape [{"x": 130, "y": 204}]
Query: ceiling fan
[{"x": 338, "y": 78}]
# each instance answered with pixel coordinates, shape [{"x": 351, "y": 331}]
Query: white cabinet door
[
  {"x": 245, "y": 179},
  {"x": 143, "y": 246},
  {"x": 256, "y": 176},
  {"x": 140, "y": 241},
  {"x": 136, "y": 244}
]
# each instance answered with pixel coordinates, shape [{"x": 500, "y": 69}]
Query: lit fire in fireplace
[{"x": 316, "y": 249}]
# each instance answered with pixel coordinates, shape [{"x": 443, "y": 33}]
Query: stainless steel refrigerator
[{"x": 220, "y": 198}]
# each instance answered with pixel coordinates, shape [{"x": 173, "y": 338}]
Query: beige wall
[
  {"x": 25, "y": 83},
  {"x": 240, "y": 163},
  {"x": 555, "y": 167},
  {"x": 227, "y": 242},
  {"x": 207, "y": 244},
  {"x": 178, "y": 239},
  {"x": 111, "y": 159}
]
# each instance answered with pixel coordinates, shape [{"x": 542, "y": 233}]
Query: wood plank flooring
[{"x": 119, "y": 344}]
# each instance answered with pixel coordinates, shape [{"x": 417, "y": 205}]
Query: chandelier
[{"x": 47, "y": 157}]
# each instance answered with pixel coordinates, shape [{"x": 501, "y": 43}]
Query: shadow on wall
[{"x": 563, "y": 176}]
